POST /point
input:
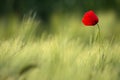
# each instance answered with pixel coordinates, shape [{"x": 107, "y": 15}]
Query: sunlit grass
[{"x": 67, "y": 54}]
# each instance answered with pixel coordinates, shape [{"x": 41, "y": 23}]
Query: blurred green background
[
  {"x": 45, "y": 8},
  {"x": 46, "y": 40},
  {"x": 54, "y": 15}
]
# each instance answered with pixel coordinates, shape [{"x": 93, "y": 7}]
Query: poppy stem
[
  {"x": 98, "y": 34},
  {"x": 101, "y": 49},
  {"x": 98, "y": 28}
]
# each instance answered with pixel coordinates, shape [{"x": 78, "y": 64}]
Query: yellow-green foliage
[{"x": 70, "y": 53}]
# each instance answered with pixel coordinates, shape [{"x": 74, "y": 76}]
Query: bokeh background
[
  {"x": 59, "y": 16},
  {"x": 46, "y": 40},
  {"x": 47, "y": 7},
  {"x": 56, "y": 15}
]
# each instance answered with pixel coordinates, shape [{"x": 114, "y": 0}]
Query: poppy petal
[{"x": 90, "y": 18}]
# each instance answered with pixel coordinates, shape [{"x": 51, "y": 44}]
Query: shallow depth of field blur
[{"x": 46, "y": 40}]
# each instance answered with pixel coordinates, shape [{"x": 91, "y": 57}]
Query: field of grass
[{"x": 68, "y": 52}]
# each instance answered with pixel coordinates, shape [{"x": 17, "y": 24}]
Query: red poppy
[{"x": 90, "y": 18}]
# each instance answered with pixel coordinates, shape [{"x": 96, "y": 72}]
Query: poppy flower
[{"x": 90, "y": 18}]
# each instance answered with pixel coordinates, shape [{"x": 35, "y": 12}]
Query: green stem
[
  {"x": 98, "y": 33},
  {"x": 101, "y": 49},
  {"x": 98, "y": 37},
  {"x": 98, "y": 27}
]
